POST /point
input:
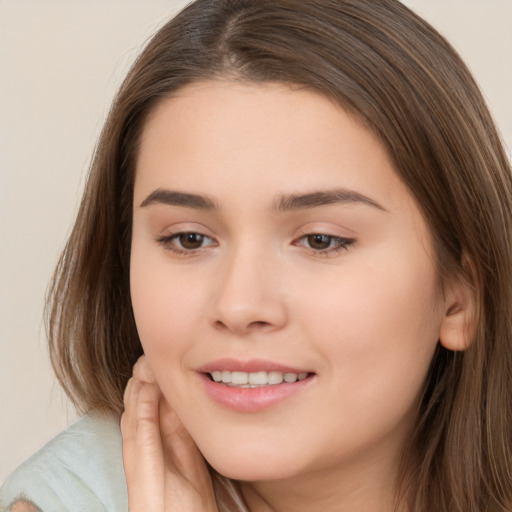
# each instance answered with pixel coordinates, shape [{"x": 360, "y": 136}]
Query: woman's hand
[{"x": 165, "y": 471}]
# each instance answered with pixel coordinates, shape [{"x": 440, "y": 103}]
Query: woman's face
[{"x": 273, "y": 239}]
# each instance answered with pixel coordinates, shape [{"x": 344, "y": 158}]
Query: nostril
[
  {"x": 220, "y": 325},
  {"x": 258, "y": 323}
]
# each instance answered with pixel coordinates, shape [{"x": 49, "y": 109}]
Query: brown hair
[{"x": 402, "y": 79}]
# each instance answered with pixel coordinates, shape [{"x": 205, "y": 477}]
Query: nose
[{"x": 249, "y": 297}]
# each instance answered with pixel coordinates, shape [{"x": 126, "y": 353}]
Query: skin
[
  {"x": 24, "y": 506},
  {"x": 363, "y": 314},
  {"x": 164, "y": 469}
]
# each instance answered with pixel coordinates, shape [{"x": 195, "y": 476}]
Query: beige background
[{"x": 60, "y": 64}]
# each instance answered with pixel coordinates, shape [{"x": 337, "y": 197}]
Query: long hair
[{"x": 394, "y": 72}]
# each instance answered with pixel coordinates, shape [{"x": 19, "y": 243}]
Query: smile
[{"x": 255, "y": 379}]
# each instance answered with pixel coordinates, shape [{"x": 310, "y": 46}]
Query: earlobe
[{"x": 459, "y": 322}]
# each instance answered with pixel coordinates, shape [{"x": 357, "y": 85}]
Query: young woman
[{"x": 299, "y": 212}]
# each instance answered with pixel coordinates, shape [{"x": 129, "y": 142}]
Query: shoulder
[{"x": 80, "y": 469}]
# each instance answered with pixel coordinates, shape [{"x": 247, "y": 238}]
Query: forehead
[
  {"x": 206, "y": 108},
  {"x": 257, "y": 130}
]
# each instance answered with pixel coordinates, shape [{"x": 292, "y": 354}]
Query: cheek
[
  {"x": 377, "y": 334},
  {"x": 164, "y": 319},
  {"x": 164, "y": 308},
  {"x": 379, "y": 322}
]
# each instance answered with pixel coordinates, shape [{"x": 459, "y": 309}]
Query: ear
[{"x": 459, "y": 322}]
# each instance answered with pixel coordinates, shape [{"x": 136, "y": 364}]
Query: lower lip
[{"x": 252, "y": 399}]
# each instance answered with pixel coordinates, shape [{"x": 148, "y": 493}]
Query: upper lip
[{"x": 249, "y": 366}]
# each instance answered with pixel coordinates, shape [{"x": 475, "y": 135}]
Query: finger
[
  {"x": 143, "y": 372},
  {"x": 142, "y": 447},
  {"x": 128, "y": 423}
]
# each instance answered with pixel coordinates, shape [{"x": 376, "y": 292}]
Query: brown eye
[
  {"x": 186, "y": 243},
  {"x": 324, "y": 245},
  {"x": 319, "y": 242},
  {"x": 191, "y": 240}
]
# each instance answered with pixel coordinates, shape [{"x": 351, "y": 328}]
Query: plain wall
[{"x": 60, "y": 64}]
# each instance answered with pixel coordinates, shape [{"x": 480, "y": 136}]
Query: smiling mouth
[{"x": 255, "y": 379}]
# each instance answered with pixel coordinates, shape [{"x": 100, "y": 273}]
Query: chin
[{"x": 245, "y": 468}]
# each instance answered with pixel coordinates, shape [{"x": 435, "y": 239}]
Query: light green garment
[{"x": 80, "y": 470}]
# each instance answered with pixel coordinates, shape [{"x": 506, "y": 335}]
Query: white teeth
[
  {"x": 255, "y": 379},
  {"x": 238, "y": 378},
  {"x": 275, "y": 377},
  {"x": 258, "y": 378}
]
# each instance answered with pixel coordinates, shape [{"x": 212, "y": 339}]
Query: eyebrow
[
  {"x": 176, "y": 198},
  {"x": 283, "y": 204},
  {"x": 323, "y": 198}
]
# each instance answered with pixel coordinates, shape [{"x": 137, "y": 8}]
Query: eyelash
[
  {"x": 341, "y": 244},
  {"x": 168, "y": 243}
]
